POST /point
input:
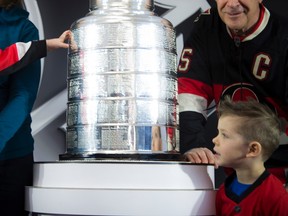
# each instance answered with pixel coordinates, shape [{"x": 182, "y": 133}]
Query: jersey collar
[{"x": 258, "y": 27}]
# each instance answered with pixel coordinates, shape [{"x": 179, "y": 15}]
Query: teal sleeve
[{"x": 22, "y": 88}]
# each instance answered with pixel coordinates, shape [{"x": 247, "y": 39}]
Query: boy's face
[
  {"x": 230, "y": 146},
  {"x": 239, "y": 15}
]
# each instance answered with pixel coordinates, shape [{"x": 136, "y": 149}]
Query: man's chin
[{"x": 234, "y": 26}]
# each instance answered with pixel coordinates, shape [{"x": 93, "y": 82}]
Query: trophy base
[{"x": 123, "y": 156}]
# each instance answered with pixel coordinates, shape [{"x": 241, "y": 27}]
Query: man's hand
[{"x": 200, "y": 156}]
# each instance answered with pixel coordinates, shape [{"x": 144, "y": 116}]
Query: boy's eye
[{"x": 224, "y": 135}]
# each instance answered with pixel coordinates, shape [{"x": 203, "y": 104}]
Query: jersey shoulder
[
  {"x": 208, "y": 23},
  {"x": 279, "y": 23},
  {"x": 210, "y": 16}
]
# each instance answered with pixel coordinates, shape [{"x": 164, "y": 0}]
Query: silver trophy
[{"x": 122, "y": 87}]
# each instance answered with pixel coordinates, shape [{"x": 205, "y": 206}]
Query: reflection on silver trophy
[{"x": 121, "y": 80}]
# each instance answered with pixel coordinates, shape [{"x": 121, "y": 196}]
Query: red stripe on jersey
[
  {"x": 218, "y": 90},
  {"x": 189, "y": 86},
  {"x": 253, "y": 31},
  {"x": 262, "y": 13},
  {"x": 8, "y": 56}
]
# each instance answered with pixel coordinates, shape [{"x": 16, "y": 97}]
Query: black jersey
[{"x": 215, "y": 63}]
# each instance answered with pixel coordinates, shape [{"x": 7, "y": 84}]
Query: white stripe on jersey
[
  {"x": 263, "y": 24},
  {"x": 22, "y": 48},
  {"x": 190, "y": 102}
]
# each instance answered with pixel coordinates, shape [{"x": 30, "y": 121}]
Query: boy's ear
[{"x": 254, "y": 150}]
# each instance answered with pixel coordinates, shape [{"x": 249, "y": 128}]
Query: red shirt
[{"x": 265, "y": 197}]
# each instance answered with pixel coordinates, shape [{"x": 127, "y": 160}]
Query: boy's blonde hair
[{"x": 259, "y": 123}]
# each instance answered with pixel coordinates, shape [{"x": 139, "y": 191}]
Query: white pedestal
[{"x": 122, "y": 188}]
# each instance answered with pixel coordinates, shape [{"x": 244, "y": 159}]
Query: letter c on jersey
[{"x": 261, "y": 66}]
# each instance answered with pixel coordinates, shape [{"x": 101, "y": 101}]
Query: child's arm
[
  {"x": 20, "y": 54},
  {"x": 57, "y": 43}
]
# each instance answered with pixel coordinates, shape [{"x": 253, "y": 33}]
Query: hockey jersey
[
  {"x": 19, "y": 55},
  {"x": 265, "y": 197},
  {"x": 215, "y": 63}
]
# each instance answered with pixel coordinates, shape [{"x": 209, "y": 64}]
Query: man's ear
[{"x": 254, "y": 149}]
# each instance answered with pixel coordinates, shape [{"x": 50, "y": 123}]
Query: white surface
[
  {"x": 35, "y": 17},
  {"x": 124, "y": 175},
  {"x": 57, "y": 105},
  {"x": 120, "y": 202},
  {"x": 122, "y": 188}
]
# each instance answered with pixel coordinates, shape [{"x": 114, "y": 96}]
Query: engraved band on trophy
[{"x": 121, "y": 80}]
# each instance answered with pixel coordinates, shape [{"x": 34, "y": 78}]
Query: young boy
[
  {"x": 20, "y": 54},
  {"x": 248, "y": 133}
]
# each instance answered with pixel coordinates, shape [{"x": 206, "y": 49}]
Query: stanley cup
[{"x": 121, "y": 82}]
